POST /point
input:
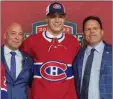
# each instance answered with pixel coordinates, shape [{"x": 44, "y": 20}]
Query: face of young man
[
  {"x": 14, "y": 36},
  {"x": 55, "y": 23},
  {"x": 92, "y": 32}
]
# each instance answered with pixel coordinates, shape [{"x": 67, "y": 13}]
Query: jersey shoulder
[
  {"x": 71, "y": 37},
  {"x": 34, "y": 36}
]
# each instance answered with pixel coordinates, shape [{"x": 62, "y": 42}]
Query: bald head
[
  {"x": 14, "y": 36},
  {"x": 12, "y": 26}
]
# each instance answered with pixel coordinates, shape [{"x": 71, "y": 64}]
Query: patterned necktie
[
  {"x": 86, "y": 77},
  {"x": 13, "y": 65}
]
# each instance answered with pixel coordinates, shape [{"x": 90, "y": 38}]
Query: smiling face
[
  {"x": 55, "y": 23},
  {"x": 14, "y": 36},
  {"x": 92, "y": 32}
]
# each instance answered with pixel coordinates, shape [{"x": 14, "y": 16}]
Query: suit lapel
[
  {"x": 24, "y": 65},
  {"x": 4, "y": 62},
  {"x": 80, "y": 61},
  {"x": 104, "y": 58},
  {"x": 80, "y": 65}
]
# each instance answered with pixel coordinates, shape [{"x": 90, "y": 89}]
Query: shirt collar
[
  {"x": 8, "y": 50},
  {"x": 98, "y": 47},
  {"x": 48, "y": 36}
]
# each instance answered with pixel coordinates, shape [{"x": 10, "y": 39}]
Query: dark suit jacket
[
  {"x": 105, "y": 82},
  {"x": 17, "y": 89}
]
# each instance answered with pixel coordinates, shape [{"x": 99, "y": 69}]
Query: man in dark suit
[
  {"x": 93, "y": 64},
  {"x": 18, "y": 65}
]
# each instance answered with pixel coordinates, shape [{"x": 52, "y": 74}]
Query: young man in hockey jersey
[{"x": 53, "y": 54}]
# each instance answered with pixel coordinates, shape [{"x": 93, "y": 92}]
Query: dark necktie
[
  {"x": 13, "y": 65},
  {"x": 86, "y": 77}
]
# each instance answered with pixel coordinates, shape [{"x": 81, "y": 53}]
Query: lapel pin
[{"x": 107, "y": 52}]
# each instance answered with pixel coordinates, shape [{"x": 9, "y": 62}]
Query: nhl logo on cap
[{"x": 56, "y": 6}]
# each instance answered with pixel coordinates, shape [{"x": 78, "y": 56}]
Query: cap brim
[{"x": 49, "y": 14}]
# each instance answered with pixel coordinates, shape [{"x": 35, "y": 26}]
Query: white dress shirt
[
  {"x": 18, "y": 57},
  {"x": 93, "y": 92}
]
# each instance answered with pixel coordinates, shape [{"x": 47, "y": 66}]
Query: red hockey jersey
[
  {"x": 3, "y": 83},
  {"x": 53, "y": 77}
]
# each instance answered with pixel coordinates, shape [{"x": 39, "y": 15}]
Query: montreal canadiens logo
[
  {"x": 53, "y": 71},
  {"x": 57, "y": 6}
]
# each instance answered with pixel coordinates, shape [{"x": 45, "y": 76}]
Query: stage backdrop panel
[{"x": 29, "y": 12}]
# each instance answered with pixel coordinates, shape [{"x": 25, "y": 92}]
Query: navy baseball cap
[{"x": 55, "y": 8}]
